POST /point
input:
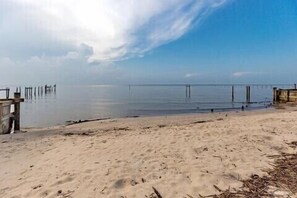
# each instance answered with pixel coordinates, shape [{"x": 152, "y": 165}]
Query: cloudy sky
[{"x": 147, "y": 41}]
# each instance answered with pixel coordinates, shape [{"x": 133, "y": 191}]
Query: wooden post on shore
[
  {"x": 288, "y": 95},
  {"x": 17, "y": 111},
  {"x": 274, "y": 94},
  {"x": 232, "y": 93},
  {"x": 295, "y": 86}
]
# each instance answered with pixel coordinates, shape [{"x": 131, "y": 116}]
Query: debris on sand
[{"x": 280, "y": 181}]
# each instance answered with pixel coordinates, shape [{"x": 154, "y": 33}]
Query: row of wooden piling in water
[
  {"x": 39, "y": 91},
  {"x": 248, "y": 92},
  {"x": 29, "y": 92}
]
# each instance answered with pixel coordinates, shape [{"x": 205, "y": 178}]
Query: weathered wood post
[
  {"x": 274, "y": 94},
  {"x": 232, "y": 93},
  {"x": 288, "y": 95},
  {"x": 247, "y": 93},
  {"x": 189, "y": 91},
  {"x": 7, "y": 93},
  {"x": 295, "y": 86},
  {"x": 17, "y": 111},
  {"x": 45, "y": 89},
  {"x": 186, "y": 91}
]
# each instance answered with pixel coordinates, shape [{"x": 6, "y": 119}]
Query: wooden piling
[
  {"x": 189, "y": 91},
  {"x": 249, "y": 89},
  {"x": 248, "y": 94},
  {"x": 288, "y": 95},
  {"x": 274, "y": 94},
  {"x": 7, "y": 93},
  {"x": 17, "y": 111},
  {"x": 232, "y": 93}
]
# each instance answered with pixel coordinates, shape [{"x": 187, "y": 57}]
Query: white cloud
[
  {"x": 191, "y": 75},
  {"x": 241, "y": 74},
  {"x": 112, "y": 29}
]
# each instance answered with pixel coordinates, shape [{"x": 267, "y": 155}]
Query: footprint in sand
[
  {"x": 122, "y": 183},
  {"x": 65, "y": 179}
]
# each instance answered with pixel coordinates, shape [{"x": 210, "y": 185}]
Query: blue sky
[{"x": 210, "y": 41}]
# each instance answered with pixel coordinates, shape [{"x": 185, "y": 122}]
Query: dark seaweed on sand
[{"x": 283, "y": 176}]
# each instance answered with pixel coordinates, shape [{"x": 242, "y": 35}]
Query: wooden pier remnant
[
  {"x": 248, "y": 94},
  {"x": 17, "y": 110},
  {"x": 37, "y": 91},
  {"x": 232, "y": 94},
  {"x": 7, "y": 117},
  {"x": 284, "y": 95},
  {"x": 7, "y": 91},
  {"x": 188, "y": 91}
]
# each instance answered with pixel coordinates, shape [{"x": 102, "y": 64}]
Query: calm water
[{"x": 86, "y": 102}]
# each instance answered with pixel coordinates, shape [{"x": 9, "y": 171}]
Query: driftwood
[
  {"x": 157, "y": 193},
  {"x": 84, "y": 121}
]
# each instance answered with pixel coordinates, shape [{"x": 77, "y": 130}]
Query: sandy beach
[{"x": 179, "y": 156}]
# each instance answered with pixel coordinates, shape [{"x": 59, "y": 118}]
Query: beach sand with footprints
[{"x": 173, "y": 156}]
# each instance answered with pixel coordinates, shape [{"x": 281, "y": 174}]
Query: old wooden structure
[
  {"x": 284, "y": 95},
  {"x": 9, "y": 119}
]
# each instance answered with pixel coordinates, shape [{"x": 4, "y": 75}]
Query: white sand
[{"x": 177, "y": 155}]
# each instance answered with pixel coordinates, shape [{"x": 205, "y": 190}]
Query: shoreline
[
  {"x": 268, "y": 108},
  {"x": 175, "y": 154}
]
